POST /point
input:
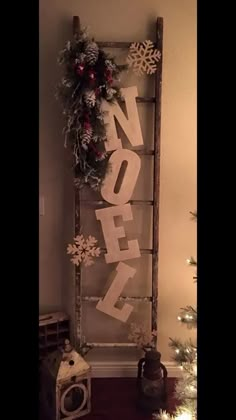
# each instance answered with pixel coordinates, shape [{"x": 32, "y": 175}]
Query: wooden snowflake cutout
[
  {"x": 141, "y": 335},
  {"x": 84, "y": 250},
  {"x": 143, "y": 57}
]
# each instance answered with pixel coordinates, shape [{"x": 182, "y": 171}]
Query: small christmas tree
[{"x": 185, "y": 354}]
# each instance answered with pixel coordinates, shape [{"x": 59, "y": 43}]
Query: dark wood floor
[{"x": 115, "y": 399}]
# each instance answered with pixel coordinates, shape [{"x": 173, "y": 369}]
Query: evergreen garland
[{"x": 89, "y": 76}]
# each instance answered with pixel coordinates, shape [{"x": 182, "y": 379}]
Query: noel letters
[{"x": 119, "y": 199}]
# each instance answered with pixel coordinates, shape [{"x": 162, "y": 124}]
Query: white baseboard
[{"x": 126, "y": 369}]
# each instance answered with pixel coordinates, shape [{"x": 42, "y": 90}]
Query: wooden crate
[{"x": 54, "y": 328}]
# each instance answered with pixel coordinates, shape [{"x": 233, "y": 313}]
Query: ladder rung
[
  {"x": 133, "y": 202},
  {"x": 139, "y": 152},
  {"x": 117, "y": 44},
  {"x": 146, "y": 99},
  {"x": 121, "y": 298},
  {"x": 149, "y": 99},
  {"x": 111, "y": 345},
  {"x": 142, "y": 251}
]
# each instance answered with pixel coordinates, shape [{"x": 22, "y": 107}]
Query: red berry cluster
[{"x": 80, "y": 69}]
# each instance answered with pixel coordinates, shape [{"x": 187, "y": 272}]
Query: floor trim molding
[{"x": 126, "y": 369}]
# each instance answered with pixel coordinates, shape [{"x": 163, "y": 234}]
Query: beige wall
[{"x": 124, "y": 20}]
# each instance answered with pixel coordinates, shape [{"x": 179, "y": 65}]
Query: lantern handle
[
  {"x": 140, "y": 366},
  {"x": 165, "y": 374}
]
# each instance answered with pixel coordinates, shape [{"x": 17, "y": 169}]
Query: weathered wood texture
[
  {"x": 114, "y": 345},
  {"x": 76, "y": 25},
  {"x": 76, "y": 334},
  {"x": 116, "y": 44},
  {"x": 78, "y": 303},
  {"x": 121, "y": 298},
  {"x": 156, "y": 184},
  {"x": 132, "y": 202}
]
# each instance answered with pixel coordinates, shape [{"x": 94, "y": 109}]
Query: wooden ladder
[{"x": 156, "y": 101}]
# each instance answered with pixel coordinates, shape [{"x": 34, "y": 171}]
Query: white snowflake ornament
[
  {"x": 83, "y": 251},
  {"x": 143, "y": 57},
  {"x": 141, "y": 335}
]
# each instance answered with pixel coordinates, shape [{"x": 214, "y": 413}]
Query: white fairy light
[{"x": 184, "y": 416}]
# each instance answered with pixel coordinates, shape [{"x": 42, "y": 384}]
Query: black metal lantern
[{"x": 151, "y": 382}]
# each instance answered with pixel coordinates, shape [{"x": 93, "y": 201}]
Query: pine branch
[
  {"x": 186, "y": 355},
  {"x": 188, "y": 316},
  {"x": 184, "y": 352},
  {"x": 186, "y": 388},
  {"x": 163, "y": 415},
  {"x": 89, "y": 76},
  {"x": 194, "y": 214},
  {"x": 187, "y": 411},
  {"x": 191, "y": 261}
]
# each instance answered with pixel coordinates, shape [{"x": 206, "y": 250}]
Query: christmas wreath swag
[{"x": 89, "y": 77}]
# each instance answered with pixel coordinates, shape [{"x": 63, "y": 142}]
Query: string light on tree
[
  {"x": 185, "y": 354},
  {"x": 164, "y": 415},
  {"x": 184, "y": 416}
]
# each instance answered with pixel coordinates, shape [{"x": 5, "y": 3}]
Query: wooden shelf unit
[{"x": 54, "y": 328}]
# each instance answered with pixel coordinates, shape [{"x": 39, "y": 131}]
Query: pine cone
[
  {"x": 80, "y": 58},
  {"x": 86, "y": 137},
  {"x": 91, "y": 51},
  {"x": 90, "y": 98},
  {"x": 110, "y": 65},
  {"x": 110, "y": 93}
]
